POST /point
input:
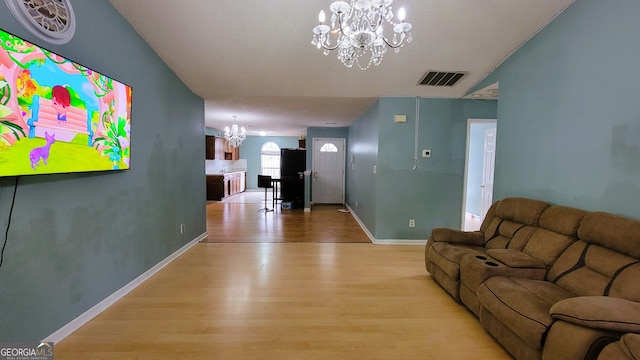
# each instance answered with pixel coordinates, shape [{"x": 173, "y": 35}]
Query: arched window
[
  {"x": 270, "y": 159},
  {"x": 328, "y": 147}
]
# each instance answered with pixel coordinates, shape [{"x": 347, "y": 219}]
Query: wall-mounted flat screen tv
[{"x": 57, "y": 116}]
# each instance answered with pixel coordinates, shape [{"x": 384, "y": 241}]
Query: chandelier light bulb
[
  {"x": 401, "y": 14},
  {"x": 321, "y": 17}
]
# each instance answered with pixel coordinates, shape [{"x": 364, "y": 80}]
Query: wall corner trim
[{"x": 94, "y": 311}]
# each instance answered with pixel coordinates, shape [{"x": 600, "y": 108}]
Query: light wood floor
[
  {"x": 242, "y": 222},
  {"x": 312, "y": 300}
]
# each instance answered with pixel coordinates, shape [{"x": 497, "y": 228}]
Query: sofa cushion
[
  {"x": 625, "y": 283},
  {"x": 547, "y": 245},
  {"x": 588, "y": 269},
  {"x": 457, "y": 236},
  {"x": 447, "y": 257},
  {"x": 562, "y": 219},
  {"x": 627, "y": 348},
  {"x": 611, "y": 231},
  {"x": 600, "y": 312},
  {"x": 521, "y": 305},
  {"x": 516, "y": 259},
  {"x": 521, "y": 210},
  {"x": 631, "y": 345},
  {"x": 557, "y": 230}
]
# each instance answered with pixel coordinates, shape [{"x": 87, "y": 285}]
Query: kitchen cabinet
[
  {"x": 219, "y": 186},
  {"x": 215, "y": 187},
  {"x": 221, "y": 145},
  {"x": 218, "y": 148},
  {"x": 231, "y": 153},
  {"x": 210, "y": 147},
  {"x": 233, "y": 183}
]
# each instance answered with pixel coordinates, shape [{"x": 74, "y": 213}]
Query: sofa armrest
[
  {"x": 516, "y": 259},
  {"x": 457, "y": 236},
  {"x": 599, "y": 312}
]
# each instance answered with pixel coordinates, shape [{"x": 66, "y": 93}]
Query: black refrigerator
[{"x": 293, "y": 163}]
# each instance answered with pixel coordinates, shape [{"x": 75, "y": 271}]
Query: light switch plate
[{"x": 400, "y": 118}]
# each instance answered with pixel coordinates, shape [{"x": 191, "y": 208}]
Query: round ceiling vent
[{"x": 50, "y": 20}]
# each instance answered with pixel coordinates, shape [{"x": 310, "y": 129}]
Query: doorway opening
[{"x": 479, "y": 171}]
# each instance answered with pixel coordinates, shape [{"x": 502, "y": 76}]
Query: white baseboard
[
  {"x": 364, "y": 228},
  {"x": 421, "y": 242},
  {"x": 85, "y": 317},
  {"x": 384, "y": 241}
]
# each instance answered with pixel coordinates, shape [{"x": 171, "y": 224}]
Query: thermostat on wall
[{"x": 400, "y": 118}]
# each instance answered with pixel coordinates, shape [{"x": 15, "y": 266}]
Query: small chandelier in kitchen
[
  {"x": 358, "y": 31},
  {"x": 236, "y": 135}
]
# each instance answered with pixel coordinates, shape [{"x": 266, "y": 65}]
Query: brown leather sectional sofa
[{"x": 546, "y": 281}]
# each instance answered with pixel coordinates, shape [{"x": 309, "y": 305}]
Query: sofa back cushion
[
  {"x": 514, "y": 222},
  {"x": 626, "y": 285},
  {"x": 620, "y": 235},
  {"x": 611, "y": 231},
  {"x": 587, "y": 269},
  {"x": 558, "y": 227}
]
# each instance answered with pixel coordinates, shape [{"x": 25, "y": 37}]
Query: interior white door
[
  {"x": 328, "y": 171},
  {"x": 488, "y": 166}
]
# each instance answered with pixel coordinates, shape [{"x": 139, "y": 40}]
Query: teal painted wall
[
  {"x": 75, "y": 239},
  {"x": 432, "y": 192},
  {"x": 360, "y": 183},
  {"x": 428, "y": 190},
  {"x": 474, "y": 167},
  {"x": 250, "y": 150},
  {"x": 568, "y": 111}
]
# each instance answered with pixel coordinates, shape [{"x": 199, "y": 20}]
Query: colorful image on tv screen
[{"x": 57, "y": 116}]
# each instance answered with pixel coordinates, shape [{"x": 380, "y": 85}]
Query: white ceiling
[{"x": 254, "y": 59}]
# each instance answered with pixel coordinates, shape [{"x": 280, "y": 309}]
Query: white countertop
[{"x": 226, "y": 173}]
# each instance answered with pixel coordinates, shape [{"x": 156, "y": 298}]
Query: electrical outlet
[
  {"x": 356, "y": 203},
  {"x": 182, "y": 228},
  {"x": 375, "y": 169},
  {"x": 412, "y": 223}
]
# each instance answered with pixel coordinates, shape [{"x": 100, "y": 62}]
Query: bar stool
[{"x": 264, "y": 181}]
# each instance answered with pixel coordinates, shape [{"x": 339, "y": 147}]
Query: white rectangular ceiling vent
[{"x": 442, "y": 78}]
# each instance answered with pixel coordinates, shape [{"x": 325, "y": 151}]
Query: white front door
[
  {"x": 328, "y": 171},
  {"x": 488, "y": 166}
]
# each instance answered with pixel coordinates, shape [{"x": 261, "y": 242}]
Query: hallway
[{"x": 237, "y": 219}]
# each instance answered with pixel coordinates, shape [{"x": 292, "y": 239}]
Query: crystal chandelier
[
  {"x": 236, "y": 135},
  {"x": 358, "y": 30}
]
